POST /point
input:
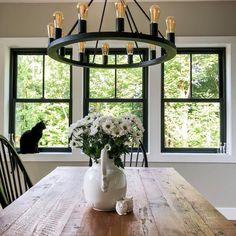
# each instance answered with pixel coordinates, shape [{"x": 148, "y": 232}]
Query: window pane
[
  {"x": 117, "y": 109},
  {"x": 123, "y": 59},
  {"x": 192, "y": 125},
  {"x": 205, "y": 79},
  {"x": 57, "y": 79},
  {"x": 29, "y": 76},
  {"x": 98, "y": 59},
  {"x": 129, "y": 81},
  {"x": 177, "y": 77},
  {"x": 56, "y": 116},
  {"x": 102, "y": 81}
]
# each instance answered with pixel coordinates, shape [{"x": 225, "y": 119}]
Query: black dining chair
[
  {"x": 3, "y": 200},
  {"x": 137, "y": 157},
  {"x": 14, "y": 180}
]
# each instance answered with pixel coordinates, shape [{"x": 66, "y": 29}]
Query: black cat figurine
[{"x": 30, "y": 138}]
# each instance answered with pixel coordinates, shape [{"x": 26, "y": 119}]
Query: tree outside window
[
  {"x": 193, "y": 101},
  {"x": 40, "y": 90},
  {"x": 117, "y": 91}
]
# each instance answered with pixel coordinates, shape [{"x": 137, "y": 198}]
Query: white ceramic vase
[{"x": 104, "y": 184}]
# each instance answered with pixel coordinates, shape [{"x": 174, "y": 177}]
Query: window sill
[
  {"x": 195, "y": 158},
  {"x": 54, "y": 157},
  {"x": 77, "y": 156}
]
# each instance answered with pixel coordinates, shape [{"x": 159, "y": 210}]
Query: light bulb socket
[
  {"x": 154, "y": 29},
  {"x": 82, "y": 25},
  {"x": 61, "y": 51},
  {"x": 152, "y": 54},
  {"x": 58, "y": 33},
  {"x": 171, "y": 37},
  {"x": 120, "y": 24},
  {"x": 130, "y": 59},
  {"x": 105, "y": 59},
  {"x": 50, "y": 40},
  {"x": 81, "y": 57}
]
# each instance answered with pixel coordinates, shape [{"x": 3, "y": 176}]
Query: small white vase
[{"x": 104, "y": 184}]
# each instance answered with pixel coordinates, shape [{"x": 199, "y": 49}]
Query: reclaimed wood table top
[{"x": 164, "y": 204}]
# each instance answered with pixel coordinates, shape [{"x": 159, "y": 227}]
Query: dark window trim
[
  {"x": 221, "y": 51},
  {"x": 144, "y": 100},
  {"x": 14, "y": 52}
]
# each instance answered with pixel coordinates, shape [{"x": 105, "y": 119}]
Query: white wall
[{"x": 212, "y": 174}]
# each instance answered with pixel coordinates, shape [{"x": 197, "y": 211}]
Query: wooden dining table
[{"x": 164, "y": 204}]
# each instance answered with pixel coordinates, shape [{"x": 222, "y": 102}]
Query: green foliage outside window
[
  {"x": 116, "y": 84},
  {"x": 191, "y": 101},
  {"x": 40, "y": 78}
]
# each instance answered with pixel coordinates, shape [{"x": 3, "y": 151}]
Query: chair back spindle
[
  {"x": 137, "y": 157},
  {"x": 14, "y": 180}
]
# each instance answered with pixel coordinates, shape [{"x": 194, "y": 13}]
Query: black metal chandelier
[{"x": 57, "y": 43}]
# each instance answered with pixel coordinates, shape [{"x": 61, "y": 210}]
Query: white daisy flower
[
  {"x": 107, "y": 126},
  {"x": 117, "y": 131},
  {"x": 125, "y": 126},
  {"x": 94, "y": 130},
  {"x": 71, "y": 128},
  {"x": 77, "y": 132}
]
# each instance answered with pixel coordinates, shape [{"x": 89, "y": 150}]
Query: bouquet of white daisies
[{"x": 94, "y": 131}]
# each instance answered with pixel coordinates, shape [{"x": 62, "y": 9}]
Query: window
[
  {"x": 117, "y": 91},
  {"x": 193, "y": 101},
  {"x": 40, "y": 89}
]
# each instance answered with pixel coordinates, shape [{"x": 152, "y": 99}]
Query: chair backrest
[
  {"x": 137, "y": 157},
  {"x": 14, "y": 180}
]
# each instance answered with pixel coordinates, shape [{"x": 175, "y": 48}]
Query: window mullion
[
  {"x": 43, "y": 84},
  {"x": 115, "y": 77},
  {"x": 191, "y": 76}
]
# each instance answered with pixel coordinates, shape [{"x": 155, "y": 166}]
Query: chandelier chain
[
  {"x": 100, "y": 27},
  {"x": 131, "y": 29}
]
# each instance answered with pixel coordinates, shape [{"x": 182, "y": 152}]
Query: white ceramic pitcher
[{"x": 104, "y": 183}]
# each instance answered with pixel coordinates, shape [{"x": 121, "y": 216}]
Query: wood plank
[
  {"x": 191, "y": 222},
  {"x": 10, "y": 214},
  {"x": 192, "y": 204},
  {"x": 140, "y": 222},
  {"x": 164, "y": 205},
  {"x": 49, "y": 214},
  {"x": 167, "y": 220},
  {"x": 233, "y": 222}
]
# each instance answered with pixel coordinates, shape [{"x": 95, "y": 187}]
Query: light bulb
[
  {"x": 50, "y": 28},
  {"x": 105, "y": 49},
  {"x": 130, "y": 52},
  {"x": 170, "y": 24},
  {"x": 82, "y": 46},
  {"x": 58, "y": 19},
  {"x": 82, "y": 11},
  {"x": 154, "y": 13},
  {"x": 130, "y": 48},
  {"x": 120, "y": 9}
]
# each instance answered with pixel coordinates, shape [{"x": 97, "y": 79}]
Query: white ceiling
[{"x": 65, "y": 1}]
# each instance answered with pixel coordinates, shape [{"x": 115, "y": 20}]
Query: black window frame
[
  {"x": 221, "y": 51},
  {"x": 143, "y": 52},
  {"x": 14, "y": 52}
]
